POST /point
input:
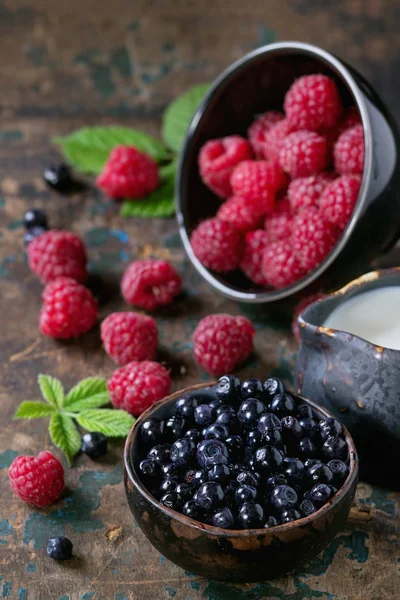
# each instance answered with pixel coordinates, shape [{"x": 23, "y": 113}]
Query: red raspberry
[
  {"x": 129, "y": 173},
  {"x": 274, "y": 138},
  {"x": 68, "y": 309},
  {"x": 129, "y": 336},
  {"x": 278, "y": 224},
  {"x": 38, "y": 480},
  {"x": 257, "y": 182},
  {"x": 303, "y": 153},
  {"x": 306, "y": 191},
  {"x": 298, "y": 309},
  {"x": 339, "y": 199},
  {"x": 218, "y": 158},
  {"x": 218, "y": 245},
  {"x": 58, "y": 254},
  {"x": 349, "y": 151},
  {"x": 312, "y": 238},
  {"x": 258, "y": 130},
  {"x": 150, "y": 284},
  {"x": 237, "y": 212},
  {"x": 313, "y": 102},
  {"x": 138, "y": 385},
  {"x": 351, "y": 117},
  {"x": 280, "y": 265},
  {"x": 222, "y": 342},
  {"x": 255, "y": 244}
]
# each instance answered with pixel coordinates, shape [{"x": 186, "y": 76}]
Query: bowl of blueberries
[{"x": 241, "y": 480}]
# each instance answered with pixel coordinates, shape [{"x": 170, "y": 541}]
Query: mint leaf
[
  {"x": 33, "y": 409},
  {"x": 110, "y": 422},
  {"x": 52, "y": 390},
  {"x": 65, "y": 435},
  {"x": 88, "y": 393},
  {"x": 159, "y": 204},
  {"x": 87, "y": 149},
  {"x": 179, "y": 114}
]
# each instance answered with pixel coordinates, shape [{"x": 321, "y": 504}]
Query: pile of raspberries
[{"x": 288, "y": 190}]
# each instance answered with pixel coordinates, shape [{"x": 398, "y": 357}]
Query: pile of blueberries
[{"x": 251, "y": 457}]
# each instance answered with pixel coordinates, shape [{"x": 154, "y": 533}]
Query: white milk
[{"x": 372, "y": 315}]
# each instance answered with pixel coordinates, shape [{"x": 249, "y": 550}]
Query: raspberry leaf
[
  {"x": 33, "y": 409},
  {"x": 52, "y": 390},
  {"x": 179, "y": 114},
  {"x": 65, "y": 435},
  {"x": 87, "y": 149},
  {"x": 110, "y": 422},
  {"x": 159, "y": 204},
  {"x": 88, "y": 393}
]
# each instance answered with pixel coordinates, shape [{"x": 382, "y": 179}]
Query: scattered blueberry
[
  {"x": 251, "y": 388},
  {"x": 309, "y": 427},
  {"x": 291, "y": 428},
  {"x": 174, "y": 427},
  {"x": 248, "y": 478},
  {"x": 209, "y": 495},
  {"x": 217, "y": 431},
  {"x": 339, "y": 470},
  {"x": 228, "y": 389},
  {"x": 249, "y": 412},
  {"x": 306, "y": 448},
  {"x": 193, "y": 434},
  {"x": 268, "y": 421},
  {"x": 282, "y": 405},
  {"x": 283, "y": 497},
  {"x": 34, "y": 217},
  {"x": 223, "y": 518},
  {"x": 334, "y": 447},
  {"x": 149, "y": 468},
  {"x": 328, "y": 427},
  {"x": 204, "y": 415},
  {"x": 272, "y": 387},
  {"x": 94, "y": 444},
  {"x": 152, "y": 431},
  {"x": 160, "y": 453},
  {"x": 171, "y": 469},
  {"x": 307, "y": 507},
  {"x": 182, "y": 451},
  {"x": 59, "y": 548},
  {"x": 169, "y": 484},
  {"x": 190, "y": 509},
  {"x": 172, "y": 500},
  {"x": 251, "y": 516},
  {"x": 290, "y": 515},
  {"x": 319, "y": 473},
  {"x": 208, "y": 450},
  {"x": 320, "y": 494},
  {"x": 293, "y": 469},
  {"x": 219, "y": 473},
  {"x": 185, "y": 406},
  {"x": 32, "y": 233},
  {"x": 59, "y": 178},
  {"x": 268, "y": 459},
  {"x": 244, "y": 493}
]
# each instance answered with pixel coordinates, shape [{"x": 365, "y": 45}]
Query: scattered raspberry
[
  {"x": 222, "y": 342},
  {"x": 298, "y": 309},
  {"x": 255, "y": 244},
  {"x": 138, "y": 385},
  {"x": 312, "y": 238},
  {"x": 351, "y": 117},
  {"x": 303, "y": 153},
  {"x": 280, "y": 265},
  {"x": 275, "y": 137},
  {"x": 237, "y": 212},
  {"x": 313, "y": 102},
  {"x": 129, "y": 173},
  {"x": 258, "y": 182},
  {"x": 306, "y": 191},
  {"x": 339, "y": 199},
  {"x": 218, "y": 158},
  {"x": 258, "y": 130},
  {"x": 150, "y": 284},
  {"x": 218, "y": 245},
  {"x": 58, "y": 254},
  {"x": 278, "y": 224},
  {"x": 349, "y": 151},
  {"x": 129, "y": 336},
  {"x": 38, "y": 480}
]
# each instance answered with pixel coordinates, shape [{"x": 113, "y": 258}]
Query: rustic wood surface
[{"x": 67, "y": 64}]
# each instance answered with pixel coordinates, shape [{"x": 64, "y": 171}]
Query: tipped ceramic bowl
[
  {"x": 257, "y": 83},
  {"x": 229, "y": 555}
]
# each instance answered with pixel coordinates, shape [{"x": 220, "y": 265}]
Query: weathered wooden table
[{"x": 66, "y": 64}]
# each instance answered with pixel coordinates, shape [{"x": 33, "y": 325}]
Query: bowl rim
[
  {"x": 352, "y": 476},
  {"x": 259, "y": 297}
]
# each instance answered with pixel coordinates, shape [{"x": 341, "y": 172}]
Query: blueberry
[
  {"x": 204, "y": 415},
  {"x": 248, "y": 458},
  {"x": 267, "y": 459},
  {"x": 283, "y": 497},
  {"x": 244, "y": 493},
  {"x": 94, "y": 444},
  {"x": 247, "y": 478},
  {"x": 184, "y": 407},
  {"x": 306, "y": 448},
  {"x": 207, "y": 450},
  {"x": 310, "y": 462},
  {"x": 320, "y": 494},
  {"x": 209, "y": 495},
  {"x": 251, "y": 516},
  {"x": 219, "y": 473},
  {"x": 218, "y": 459},
  {"x": 334, "y": 447},
  {"x": 170, "y": 469},
  {"x": 32, "y": 233},
  {"x": 274, "y": 481},
  {"x": 215, "y": 403},
  {"x": 272, "y": 437},
  {"x": 169, "y": 484},
  {"x": 305, "y": 412},
  {"x": 328, "y": 427},
  {"x": 234, "y": 443},
  {"x": 59, "y": 548},
  {"x": 253, "y": 439},
  {"x": 229, "y": 420},
  {"x": 183, "y": 451},
  {"x": 291, "y": 428},
  {"x": 160, "y": 453},
  {"x": 193, "y": 434},
  {"x": 309, "y": 427},
  {"x": 175, "y": 427},
  {"x": 250, "y": 411},
  {"x": 271, "y": 522},
  {"x": 339, "y": 470},
  {"x": 217, "y": 431},
  {"x": 196, "y": 478},
  {"x": 172, "y": 500},
  {"x": 152, "y": 431},
  {"x": 149, "y": 468},
  {"x": 290, "y": 515},
  {"x": 230, "y": 491},
  {"x": 282, "y": 405},
  {"x": 268, "y": 421},
  {"x": 185, "y": 490},
  {"x": 59, "y": 178},
  {"x": 190, "y": 509},
  {"x": 228, "y": 389},
  {"x": 272, "y": 387},
  {"x": 223, "y": 518},
  {"x": 307, "y": 507},
  {"x": 251, "y": 388},
  {"x": 319, "y": 473},
  {"x": 225, "y": 408},
  {"x": 34, "y": 217},
  {"x": 293, "y": 469}
]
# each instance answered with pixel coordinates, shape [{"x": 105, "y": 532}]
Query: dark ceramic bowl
[
  {"x": 256, "y": 83},
  {"x": 357, "y": 381},
  {"x": 236, "y": 556}
]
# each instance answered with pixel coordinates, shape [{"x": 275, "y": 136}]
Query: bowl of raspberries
[
  {"x": 241, "y": 480},
  {"x": 287, "y": 173}
]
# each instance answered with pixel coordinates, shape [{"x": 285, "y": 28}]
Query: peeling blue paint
[
  {"x": 6, "y": 589},
  {"x": 31, "y": 567},
  {"x": 15, "y": 224},
  {"x": 6, "y": 529},
  {"x": 7, "y": 457},
  {"x": 22, "y": 594},
  {"x": 87, "y": 595},
  {"x": 10, "y": 135},
  {"x": 119, "y": 596},
  {"x": 170, "y": 590},
  {"x": 379, "y": 499},
  {"x": 3, "y": 265}
]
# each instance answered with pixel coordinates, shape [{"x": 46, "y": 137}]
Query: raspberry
[
  {"x": 349, "y": 151},
  {"x": 312, "y": 238},
  {"x": 303, "y": 153},
  {"x": 274, "y": 138},
  {"x": 58, "y": 254},
  {"x": 313, "y": 102},
  {"x": 255, "y": 244},
  {"x": 257, "y": 182},
  {"x": 306, "y": 191},
  {"x": 280, "y": 265},
  {"x": 237, "y": 212},
  {"x": 339, "y": 199},
  {"x": 129, "y": 173},
  {"x": 138, "y": 385},
  {"x": 129, "y": 336},
  {"x": 68, "y": 310},
  {"x": 351, "y": 117},
  {"x": 218, "y": 245},
  {"x": 38, "y": 480},
  {"x": 298, "y": 309},
  {"x": 222, "y": 342},
  {"x": 150, "y": 284},
  {"x": 278, "y": 224},
  {"x": 258, "y": 130},
  {"x": 218, "y": 158}
]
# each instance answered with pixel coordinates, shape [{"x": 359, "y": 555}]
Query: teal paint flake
[
  {"x": 6, "y": 589},
  {"x": 168, "y": 46},
  {"x": 133, "y": 25},
  {"x": 155, "y": 74},
  {"x": 31, "y": 567},
  {"x": 2, "y": 201},
  {"x": 120, "y": 60},
  {"x": 76, "y": 512},
  {"x": 11, "y": 135},
  {"x": 38, "y": 55},
  {"x": 22, "y": 594},
  {"x": 171, "y": 591},
  {"x": 195, "y": 585},
  {"x": 173, "y": 240},
  {"x": 87, "y": 595},
  {"x": 7, "y": 457},
  {"x": 6, "y": 529},
  {"x": 99, "y": 73},
  {"x": 15, "y": 224},
  {"x": 220, "y": 591},
  {"x": 3, "y": 266},
  {"x": 119, "y": 596},
  {"x": 121, "y": 235},
  {"x": 379, "y": 499},
  {"x": 64, "y": 598}
]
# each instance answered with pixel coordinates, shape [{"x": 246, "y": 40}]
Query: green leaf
[
  {"x": 52, "y": 390},
  {"x": 65, "y": 435},
  {"x": 87, "y": 149},
  {"x": 33, "y": 409},
  {"x": 88, "y": 393},
  {"x": 179, "y": 114},
  {"x": 109, "y": 421},
  {"x": 159, "y": 204}
]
